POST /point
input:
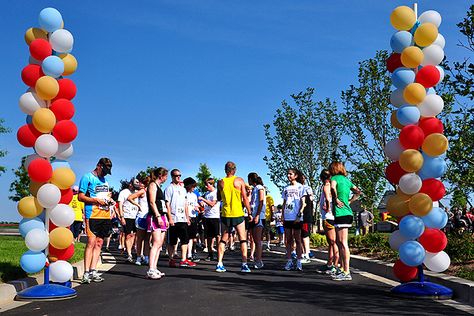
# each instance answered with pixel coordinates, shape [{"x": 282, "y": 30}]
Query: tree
[
  {"x": 3, "y": 130},
  {"x": 304, "y": 136},
  {"x": 366, "y": 108},
  {"x": 20, "y": 187},
  {"x": 203, "y": 174}
]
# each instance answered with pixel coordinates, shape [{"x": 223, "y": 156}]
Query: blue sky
[{"x": 178, "y": 83}]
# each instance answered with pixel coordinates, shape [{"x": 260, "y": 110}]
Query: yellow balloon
[
  {"x": 60, "y": 238},
  {"x": 394, "y": 120},
  {"x": 426, "y": 34},
  {"x": 403, "y": 18},
  {"x": 44, "y": 120},
  {"x": 400, "y": 192},
  {"x": 412, "y": 57},
  {"x": 411, "y": 160},
  {"x": 70, "y": 64},
  {"x": 414, "y": 93},
  {"x": 34, "y": 187},
  {"x": 420, "y": 204},
  {"x": 435, "y": 144},
  {"x": 29, "y": 207},
  {"x": 34, "y": 33},
  {"x": 47, "y": 87},
  {"x": 63, "y": 178},
  {"x": 397, "y": 205}
]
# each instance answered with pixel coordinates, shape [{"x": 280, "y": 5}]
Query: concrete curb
[{"x": 463, "y": 289}]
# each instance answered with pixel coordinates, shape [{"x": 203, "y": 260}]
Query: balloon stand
[
  {"x": 46, "y": 292},
  {"x": 422, "y": 289}
]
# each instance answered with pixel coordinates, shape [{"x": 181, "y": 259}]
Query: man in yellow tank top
[{"x": 231, "y": 191}]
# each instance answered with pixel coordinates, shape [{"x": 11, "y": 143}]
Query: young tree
[
  {"x": 3, "y": 130},
  {"x": 304, "y": 136},
  {"x": 20, "y": 187},
  {"x": 366, "y": 108},
  {"x": 203, "y": 174}
]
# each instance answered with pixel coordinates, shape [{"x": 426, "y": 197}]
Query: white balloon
[
  {"x": 396, "y": 239},
  {"x": 62, "y": 41},
  {"x": 396, "y": 98},
  {"x": 432, "y": 105},
  {"x": 48, "y": 195},
  {"x": 437, "y": 262},
  {"x": 432, "y": 55},
  {"x": 441, "y": 74},
  {"x": 430, "y": 16},
  {"x": 393, "y": 149},
  {"x": 37, "y": 239},
  {"x": 29, "y": 159},
  {"x": 410, "y": 183},
  {"x": 64, "y": 151},
  {"x": 62, "y": 215},
  {"x": 46, "y": 145},
  {"x": 440, "y": 41},
  {"x": 29, "y": 102},
  {"x": 60, "y": 271}
]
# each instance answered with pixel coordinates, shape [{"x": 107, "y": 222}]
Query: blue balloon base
[
  {"x": 422, "y": 290},
  {"x": 46, "y": 292}
]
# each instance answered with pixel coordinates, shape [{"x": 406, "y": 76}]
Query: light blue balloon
[
  {"x": 58, "y": 163},
  {"x": 411, "y": 227},
  {"x": 32, "y": 262},
  {"x": 402, "y": 77},
  {"x": 436, "y": 218},
  {"x": 53, "y": 66},
  {"x": 430, "y": 91},
  {"x": 50, "y": 19},
  {"x": 433, "y": 167},
  {"x": 401, "y": 40},
  {"x": 29, "y": 119},
  {"x": 412, "y": 253},
  {"x": 408, "y": 114},
  {"x": 27, "y": 224}
]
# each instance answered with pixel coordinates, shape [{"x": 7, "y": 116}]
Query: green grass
[{"x": 11, "y": 249}]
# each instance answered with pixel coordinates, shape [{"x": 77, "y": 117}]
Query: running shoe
[
  {"x": 220, "y": 268},
  {"x": 86, "y": 279},
  {"x": 305, "y": 260},
  {"x": 336, "y": 271},
  {"x": 324, "y": 269},
  {"x": 187, "y": 264},
  {"x": 208, "y": 258},
  {"x": 299, "y": 265},
  {"x": 129, "y": 259},
  {"x": 139, "y": 261},
  {"x": 258, "y": 265},
  {"x": 332, "y": 271},
  {"x": 245, "y": 268},
  {"x": 152, "y": 274},
  {"x": 195, "y": 258},
  {"x": 289, "y": 265},
  {"x": 173, "y": 264},
  {"x": 146, "y": 260},
  {"x": 293, "y": 254},
  {"x": 96, "y": 276},
  {"x": 205, "y": 250},
  {"x": 251, "y": 259},
  {"x": 342, "y": 277},
  {"x": 120, "y": 247}
]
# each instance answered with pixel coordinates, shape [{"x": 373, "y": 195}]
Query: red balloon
[
  {"x": 30, "y": 74},
  {"x": 66, "y": 196},
  {"x": 63, "y": 109},
  {"x": 431, "y": 125},
  {"x": 394, "y": 172},
  {"x": 61, "y": 254},
  {"x": 393, "y": 62},
  {"x": 403, "y": 272},
  {"x": 27, "y": 135},
  {"x": 67, "y": 89},
  {"x": 428, "y": 76},
  {"x": 40, "y": 49},
  {"x": 411, "y": 137},
  {"x": 433, "y": 240},
  {"x": 434, "y": 188},
  {"x": 40, "y": 170},
  {"x": 52, "y": 226},
  {"x": 65, "y": 131}
]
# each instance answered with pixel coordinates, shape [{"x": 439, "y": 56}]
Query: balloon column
[
  {"x": 49, "y": 131},
  {"x": 418, "y": 153}
]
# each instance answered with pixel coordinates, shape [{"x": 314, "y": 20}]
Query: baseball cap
[{"x": 106, "y": 164}]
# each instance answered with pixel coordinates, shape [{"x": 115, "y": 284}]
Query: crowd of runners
[{"x": 156, "y": 220}]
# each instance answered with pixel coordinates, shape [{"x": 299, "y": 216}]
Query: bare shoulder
[{"x": 238, "y": 182}]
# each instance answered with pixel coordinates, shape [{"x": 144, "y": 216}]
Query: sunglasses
[{"x": 176, "y": 175}]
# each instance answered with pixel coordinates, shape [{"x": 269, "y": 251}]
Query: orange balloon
[
  {"x": 420, "y": 204},
  {"x": 47, "y": 87},
  {"x": 397, "y": 205},
  {"x": 435, "y": 144},
  {"x": 414, "y": 93},
  {"x": 34, "y": 33},
  {"x": 411, "y": 160},
  {"x": 411, "y": 57}
]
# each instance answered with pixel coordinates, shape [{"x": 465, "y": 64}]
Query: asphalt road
[{"x": 201, "y": 291}]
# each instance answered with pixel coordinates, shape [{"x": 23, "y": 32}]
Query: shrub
[
  {"x": 318, "y": 240},
  {"x": 460, "y": 247}
]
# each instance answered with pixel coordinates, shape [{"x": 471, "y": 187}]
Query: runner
[
  {"x": 327, "y": 215},
  {"x": 193, "y": 211},
  {"x": 128, "y": 213},
  {"x": 341, "y": 188},
  {"x": 156, "y": 220},
  {"x": 279, "y": 226},
  {"x": 292, "y": 216},
  {"x": 306, "y": 227},
  {"x": 93, "y": 191},
  {"x": 211, "y": 217},
  {"x": 78, "y": 208},
  {"x": 269, "y": 210},
  {"x": 257, "y": 204},
  {"x": 176, "y": 203},
  {"x": 232, "y": 192}
]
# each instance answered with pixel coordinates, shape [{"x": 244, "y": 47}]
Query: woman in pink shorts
[{"x": 156, "y": 220}]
